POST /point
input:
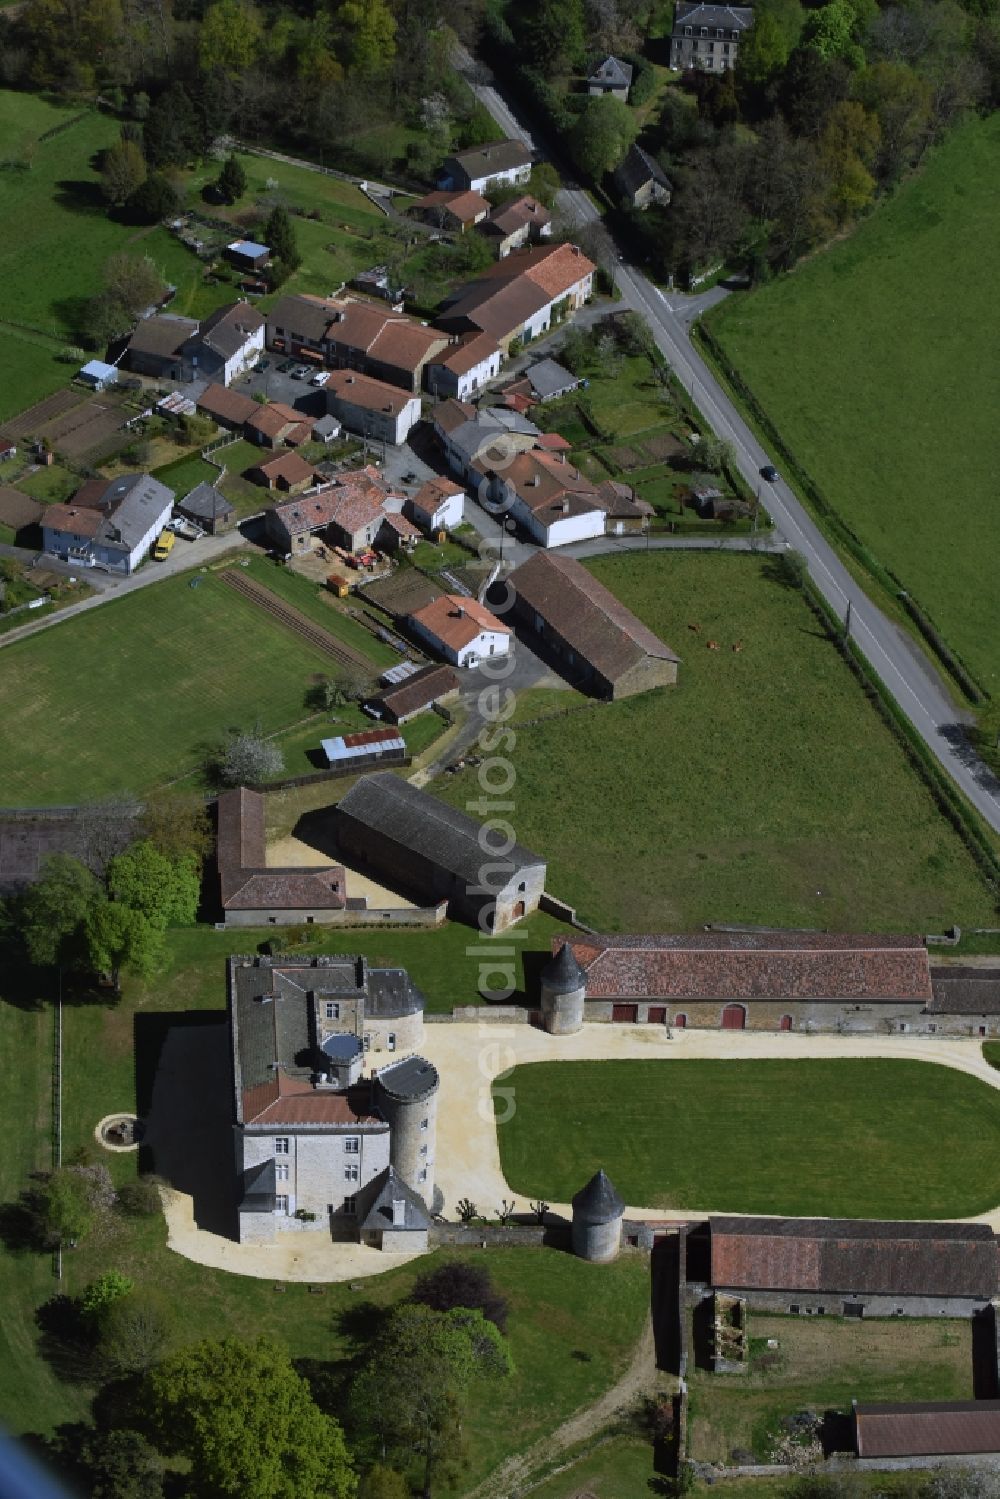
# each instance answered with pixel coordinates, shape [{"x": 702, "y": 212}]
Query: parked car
[
  {"x": 770, "y": 473},
  {"x": 164, "y": 546},
  {"x": 181, "y": 526},
  {"x": 321, "y": 378},
  {"x": 285, "y": 366},
  {"x": 265, "y": 364},
  {"x": 301, "y": 372}
]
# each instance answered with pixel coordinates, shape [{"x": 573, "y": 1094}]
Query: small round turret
[
  {"x": 597, "y": 1220},
  {"x": 563, "y": 987},
  {"x": 405, "y": 1094}
]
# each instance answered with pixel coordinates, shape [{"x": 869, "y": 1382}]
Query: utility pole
[{"x": 847, "y": 623}]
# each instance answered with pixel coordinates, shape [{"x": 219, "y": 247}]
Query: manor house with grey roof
[{"x": 323, "y": 1140}]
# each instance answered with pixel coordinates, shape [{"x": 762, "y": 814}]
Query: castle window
[
  {"x": 424, "y": 1124},
  {"x": 423, "y": 1150},
  {"x": 350, "y": 1204},
  {"x": 281, "y": 1172},
  {"x": 281, "y": 1145},
  {"x": 352, "y": 1172},
  {"x": 331, "y": 1009},
  {"x": 390, "y": 1041},
  {"x": 281, "y": 1203},
  {"x": 422, "y": 1174},
  {"x": 352, "y": 1145}
]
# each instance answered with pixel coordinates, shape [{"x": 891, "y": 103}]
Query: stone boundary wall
[{"x": 498, "y": 1235}]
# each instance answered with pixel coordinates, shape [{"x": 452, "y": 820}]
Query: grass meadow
[
  {"x": 763, "y": 788},
  {"x": 128, "y": 696},
  {"x": 875, "y": 1138},
  {"x": 876, "y": 361}
]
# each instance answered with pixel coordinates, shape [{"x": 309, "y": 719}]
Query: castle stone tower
[
  {"x": 563, "y": 992},
  {"x": 405, "y": 1094},
  {"x": 597, "y": 1220}
]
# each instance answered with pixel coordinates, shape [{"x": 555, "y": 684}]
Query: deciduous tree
[
  {"x": 116, "y": 938},
  {"x": 249, "y": 759},
  {"x": 53, "y": 910},
  {"x": 602, "y": 134},
  {"x": 123, "y": 171},
  {"x": 230, "y": 37},
  {"x": 247, "y": 1423},
  {"x": 164, "y": 890}
]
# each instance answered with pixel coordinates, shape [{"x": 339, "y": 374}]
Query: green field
[
  {"x": 129, "y": 696},
  {"x": 762, "y": 788},
  {"x": 876, "y": 361},
  {"x": 840, "y": 1138}
]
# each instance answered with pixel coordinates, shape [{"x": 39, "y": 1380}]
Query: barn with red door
[{"x": 757, "y": 981}]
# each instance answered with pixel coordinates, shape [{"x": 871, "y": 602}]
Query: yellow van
[{"x": 164, "y": 546}]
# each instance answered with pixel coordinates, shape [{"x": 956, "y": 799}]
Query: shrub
[
  {"x": 101, "y": 1293},
  {"x": 458, "y": 1283},
  {"x": 139, "y": 1199}
]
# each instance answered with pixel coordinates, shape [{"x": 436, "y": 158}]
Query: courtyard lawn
[
  {"x": 130, "y": 695},
  {"x": 821, "y": 1364},
  {"x": 876, "y": 361},
  {"x": 875, "y": 1138},
  {"x": 762, "y": 788},
  {"x": 319, "y": 604}
]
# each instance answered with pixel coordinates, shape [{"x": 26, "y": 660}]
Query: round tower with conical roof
[
  {"x": 597, "y": 1220},
  {"x": 563, "y": 992}
]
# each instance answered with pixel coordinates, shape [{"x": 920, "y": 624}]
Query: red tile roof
[
  {"x": 432, "y": 493},
  {"x": 352, "y": 501},
  {"x": 75, "y": 520},
  {"x": 456, "y": 621},
  {"x": 226, "y": 405},
  {"x": 461, "y": 357},
  {"x": 753, "y": 965},
  {"x": 464, "y": 206},
  {"x": 931, "y": 1429},
  {"x": 367, "y": 393},
  {"x": 273, "y": 419},
  {"x": 289, "y": 468},
  {"x": 289, "y": 1100},
  {"x": 245, "y": 881},
  {"x": 847, "y": 1256}
]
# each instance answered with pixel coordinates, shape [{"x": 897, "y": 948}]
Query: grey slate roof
[
  {"x": 259, "y": 1187},
  {"x": 612, "y": 73},
  {"x": 694, "y": 13},
  {"x": 410, "y": 1078},
  {"x": 206, "y": 503},
  {"x": 962, "y": 990},
  {"x": 375, "y": 1207},
  {"x": 547, "y": 378},
  {"x": 597, "y": 1202},
  {"x": 494, "y": 157},
  {"x": 227, "y": 329},
  {"x": 562, "y": 973},
  {"x": 639, "y": 168},
  {"x": 129, "y": 505},
  {"x": 419, "y": 822}
]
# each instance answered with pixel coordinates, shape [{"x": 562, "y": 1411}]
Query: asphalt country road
[{"x": 906, "y": 673}]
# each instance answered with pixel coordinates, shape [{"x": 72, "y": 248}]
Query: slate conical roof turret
[
  {"x": 562, "y": 973},
  {"x": 597, "y": 1202}
]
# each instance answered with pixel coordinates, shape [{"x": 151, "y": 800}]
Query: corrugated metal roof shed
[{"x": 346, "y": 747}]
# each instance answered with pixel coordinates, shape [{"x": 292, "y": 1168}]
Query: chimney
[
  {"x": 564, "y": 507},
  {"x": 534, "y": 481},
  {"x": 460, "y": 611}
]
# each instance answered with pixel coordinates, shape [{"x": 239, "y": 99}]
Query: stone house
[
  {"x": 777, "y": 981},
  {"x": 611, "y": 76},
  {"x": 913, "y": 1433},
  {"x": 220, "y": 348},
  {"x": 276, "y": 424},
  {"x": 228, "y": 408},
  {"x": 156, "y": 347},
  {"x": 464, "y": 367},
  {"x": 455, "y": 211},
  {"x": 438, "y": 505},
  {"x": 460, "y": 629},
  {"x": 480, "y": 168},
  {"x": 521, "y": 296},
  {"x": 318, "y": 1135},
  {"x": 401, "y": 701},
  {"x": 514, "y": 224},
  {"x": 371, "y": 407},
  {"x": 343, "y": 333},
  {"x": 109, "y": 523},
  {"x": 852, "y": 1268},
  {"x": 641, "y": 181},
  {"x": 551, "y": 499},
  {"x": 208, "y": 508},
  {"x": 286, "y": 471},
  {"x": 253, "y": 894},
  {"x": 708, "y": 36},
  {"x": 596, "y": 641},
  {"x": 415, "y": 840},
  {"x": 350, "y": 512}
]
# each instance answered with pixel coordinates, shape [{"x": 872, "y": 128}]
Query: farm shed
[{"x": 368, "y": 747}]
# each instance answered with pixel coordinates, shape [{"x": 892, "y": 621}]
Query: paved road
[{"x": 907, "y": 673}]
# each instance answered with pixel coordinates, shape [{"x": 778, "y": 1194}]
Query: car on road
[{"x": 770, "y": 473}]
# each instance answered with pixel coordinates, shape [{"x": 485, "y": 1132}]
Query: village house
[
  {"x": 641, "y": 181},
  {"x": 400, "y": 701},
  {"x": 156, "y": 347},
  {"x": 913, "y": 1433},
  {"x": 545, "y": 494},
  {"x": 491, "y": 433},
  {"x": 850, "y": 1268},
  {"x": 481, "y": 168},
  {"x": 625, "y": 513},
  {"x": 438, "y": 505},
  {"x": 286, "y": 471},
  {"x": 349, "y": 512},
  {"x": 777, "y": 981},
  {"x": 514, "y": 224},
  {"x": 220, "y": 348},
  {"x": 322, "y": 1143},
  {"x": 370, "y": 407},
  {"x": 460, "y": 629},
  {"x": 275, "y": 424},
  {"x": 547, "y": 380},
  {"x": 596, "y": 641},
  {"x": 413, "y": 839},
  {"x": 464, "y": 367},
  {"x": 208, "y": 508},
  {"x": 521, "y": 296},
  {"x": 708, "y": 36},
  {"x": 109, "y": 523},
  {"x": 228, "y": 408},
  {"x": 611, "y": 76},
  {"x": 455, "y": 211},
  {"x": 343, "y": 333},
  {"x": 253, "y": 894}
]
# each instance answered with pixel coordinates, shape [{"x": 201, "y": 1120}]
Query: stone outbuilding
[
  {"x": 413, "y": 840},
  {"x": 394, "y": 1218},
  {"x": 598, "y": 1212},
  {"x": 563, "y": 993}
]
